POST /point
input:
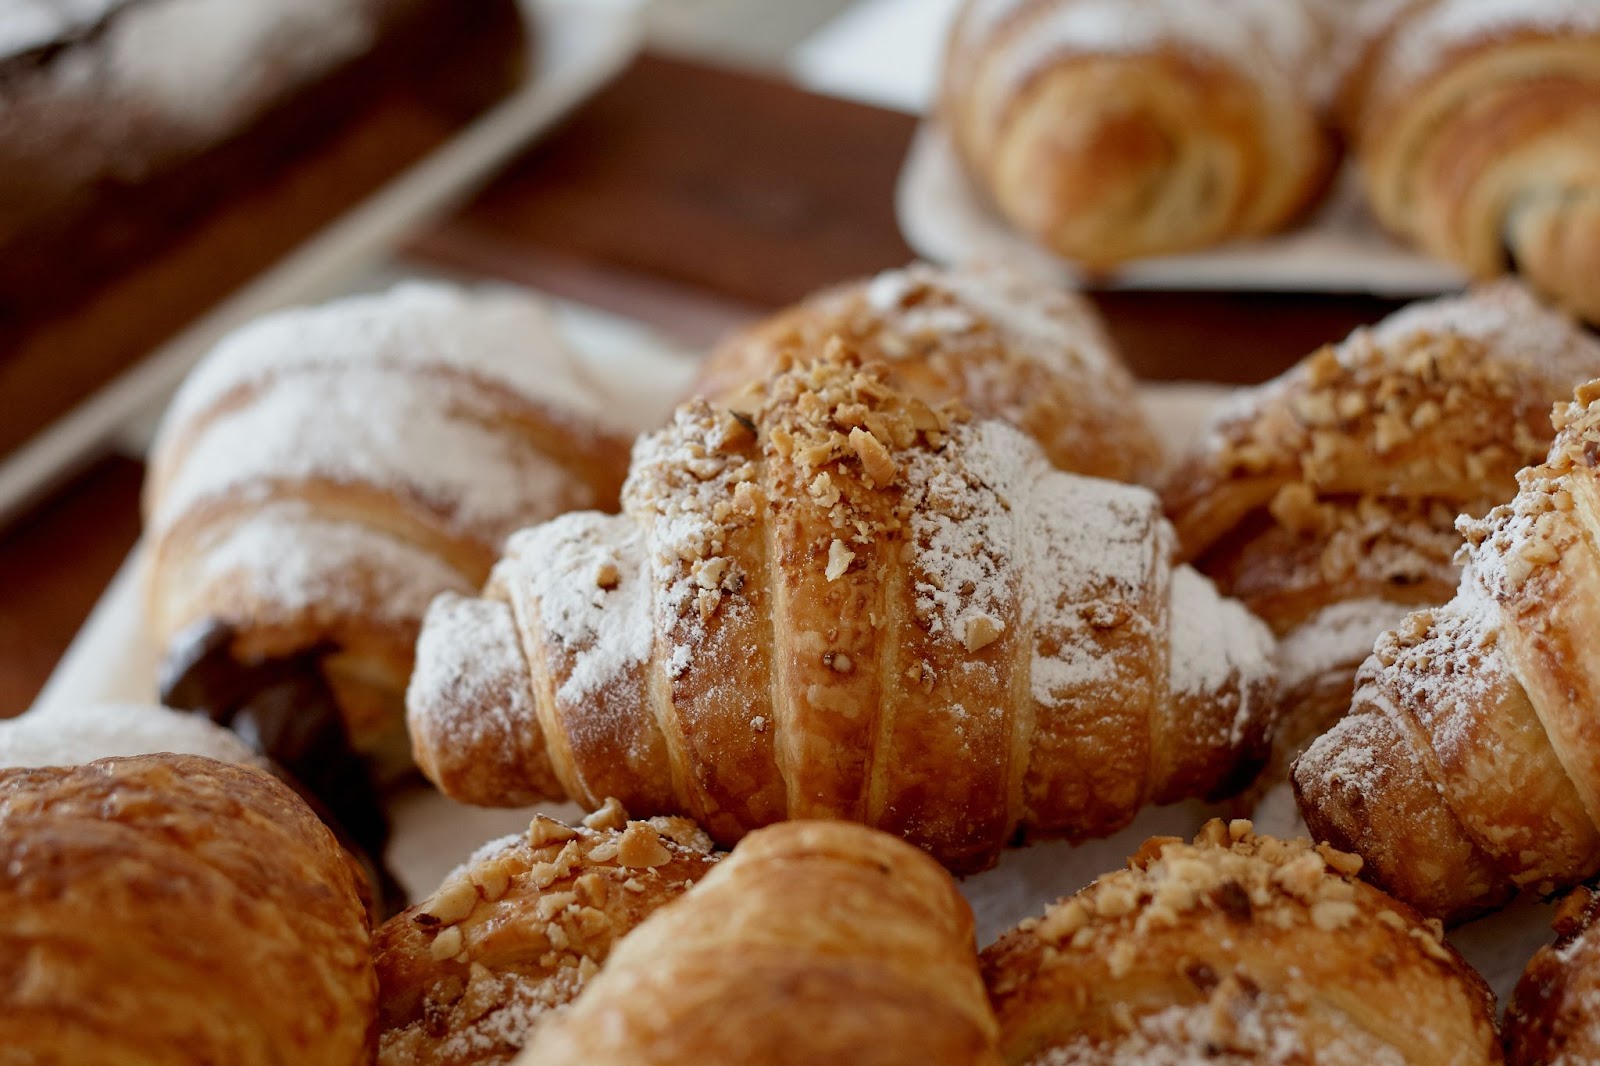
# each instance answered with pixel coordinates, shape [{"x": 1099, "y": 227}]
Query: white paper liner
[{"x": 1341, "y": 248}]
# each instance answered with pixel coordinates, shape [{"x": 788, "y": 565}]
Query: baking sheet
[
  {"x": 112, "y": 660},
  {"x": 580, "y": 45},
  {"x": 1340, "y": 249}
]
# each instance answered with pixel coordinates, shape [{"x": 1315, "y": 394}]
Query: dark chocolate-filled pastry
[
  {"x": 285, "y": 709},
  {"x": 326, "y": 471}
]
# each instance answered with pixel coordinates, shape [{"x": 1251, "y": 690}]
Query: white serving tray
[
  {"x": 1340, "y": 249},
  {"x": 112, "y": 660},
  {"x": 580, "y": 45}
]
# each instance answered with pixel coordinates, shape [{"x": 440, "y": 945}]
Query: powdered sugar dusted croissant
[
  {"x": 1006, "y": 345},
  {"x": 1551, "y": 1018},
  {"x": 1326, "y": 499},
  {"x": 173, "y": 909},
  {"x": 814, "y": 942},
  {"x": 1477, "y": 128},
  {"x": 1113, "y": 129},
  {"x": 514, "y": 935},
  {"x": 327, "y": 470},
  {"x": 1236, "y": 949},
  {"x": 845, "y": 604},
  {"x": 1470, "y": 765}
]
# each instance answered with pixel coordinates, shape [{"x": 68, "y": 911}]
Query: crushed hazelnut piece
[
  {"x": 981, "y": 631},
  {"x": 839, "y": 559},
  {"x": 641, "y": 846},
  {"x": 544, "y": 831},
  {"x": 447, "y": 945},
  {"x": 452, "y": 902},
  {"x": 610, "y": 816}
]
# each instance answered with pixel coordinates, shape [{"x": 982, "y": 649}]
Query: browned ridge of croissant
[
  {"x": 846, "y": 604},
  {"x": 1470, "y": 765},
  {"x": 813, "y": 942}
]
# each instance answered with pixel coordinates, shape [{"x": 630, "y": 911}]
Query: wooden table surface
[{"x": 690, "y": 198}]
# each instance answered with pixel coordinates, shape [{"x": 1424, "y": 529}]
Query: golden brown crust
[
  {"x": 813, "y": 942},
  {"x": 157, "y": 909},
  {"x": 467, "y": 975},
  {"x": 1186, "y": 126},
  {"x": 1551, "y": 1019},
  {"x": 1339, "y": 483},
  {"x": 847, "y": 604},
  {"x": 1002, "y": 344},
  {"x": 1488, "y": 703},
  {"x": 328, "y": 470},
  {"x": 1481, "y": 143},
  {"x": 1238, "y": 948}
]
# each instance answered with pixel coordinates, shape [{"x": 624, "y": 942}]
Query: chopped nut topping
[
  {"x": 609, "y": 816},
  {"x": 641, "y": 846},
  {"x": 839, "y": 559},
  {"x": 447, "y": 945},
  {"x": 981, "y": 631},
  {"x": 544, "y": 831}
]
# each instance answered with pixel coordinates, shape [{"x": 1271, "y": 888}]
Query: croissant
[
  {"x": 1007, "y": 346},
  {"x": 1114, "y": 129},
  {"x": 813, "y": 942},
  {"x": 1237, "y": 948},
  {"x": 1326, "y": 499},
  {"x": 847, "y": 605},
  {"x": 1551, "y": 1018},
  {"x": 465, "y": 976},
  {"x": 325, "y": 471},
  {"x": 1467, "y": 767},
  {"x": 175, "y": 909},
  {"x": 80, "y": 734},
  {"x": 1476, "y": 125}
]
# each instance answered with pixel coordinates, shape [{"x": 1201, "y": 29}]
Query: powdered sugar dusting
[
  {"x": 288, "y": 559},
  {"x": 495, "y": 336},
  {"x": 1261, "y": 1031},
  {"x": 588, "y": 577},
  {"x": 29, "y": 24},
  {"x": 1278, "y": 41},
  {"x": 1215, "y": 641},
  {"x": 1507, "y": 319},
  {"x": 1337, "y": 636},
  {"x": 76, "y": 735},
  {"x": 471, "y": 683},
  {"x": 1046, "y": 323},
  {"x": 1427, "y": 37},
  {"x": 321, "y": 425}
]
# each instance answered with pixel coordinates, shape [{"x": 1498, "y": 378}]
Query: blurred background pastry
[{"x": 157, "y": 154}]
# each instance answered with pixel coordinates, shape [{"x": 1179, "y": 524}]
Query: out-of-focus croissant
[
  {"x": 1113, "y": 129},
  {"x": 1476, "y": 124},
  {"x": 1005, "y": 345},
  {"x": 172, "y": 909},
  {"x": 465, "y": 976},
  {"x": 1326, "y": 499},
  {"x": 845, "y": 604},
  {"x": 1236, "y": 949},
  {"x": 814, "y": 942},
  {"x": 1470, "y": 763}
]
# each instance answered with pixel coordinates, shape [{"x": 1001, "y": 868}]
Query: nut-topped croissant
[
  {"x": 1006, "y": 345},
  {"x": 1326, "y": 499},
  {"x": 814, "y": 942},
  {"x": 1552, "y": 1018},
  {"x": 1236, "y": 949},
  {"x": 1477, "y": 128},
  {"x": 1470, "y": 764},
  {"x": 845, "y": 604},
  {"x": 465, "y": 976}
]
